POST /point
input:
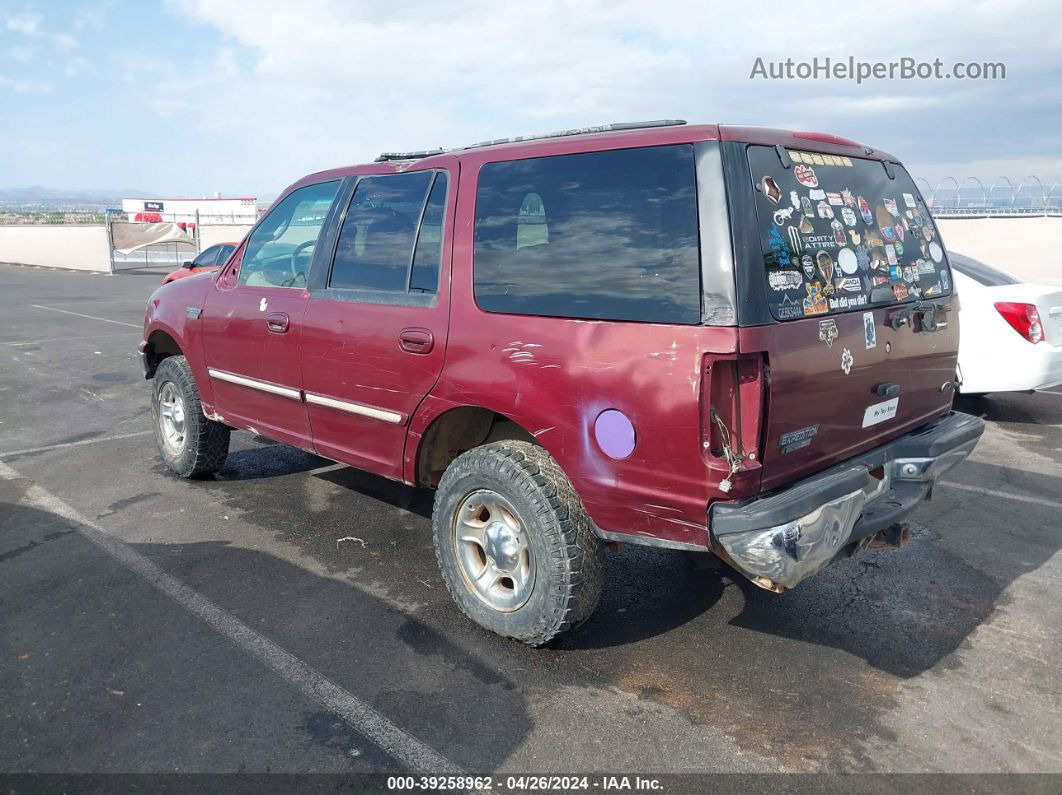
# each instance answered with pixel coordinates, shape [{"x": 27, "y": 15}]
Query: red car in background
[{"x": 209, "y": 260}]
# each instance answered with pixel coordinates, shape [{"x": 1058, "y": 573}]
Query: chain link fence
[
  {"x": 92, "y": 217},
  {"x": 970, "y": 198},
  {"x": 205, "y": 229},
  {"x": 52, "y": 218}
]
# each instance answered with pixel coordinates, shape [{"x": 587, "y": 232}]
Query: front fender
[{"x": 175, "y": 310}]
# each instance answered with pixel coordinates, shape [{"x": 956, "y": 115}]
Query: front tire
[
  {"x": 516, "y": 549},
  {"x": 189, "y": 443}
]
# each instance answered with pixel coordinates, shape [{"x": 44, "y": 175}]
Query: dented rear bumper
[{"x": 779, "y": 539}]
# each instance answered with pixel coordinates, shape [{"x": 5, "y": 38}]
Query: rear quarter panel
[{"x": 554, "y": 376}]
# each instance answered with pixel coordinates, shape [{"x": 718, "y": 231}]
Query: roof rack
[
  {"x": 385, "y": 156},
  {"x": 619, "y": 126},
  {"x": 624, "y": 125}
]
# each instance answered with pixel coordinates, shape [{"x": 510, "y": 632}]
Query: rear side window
[
  {"x": 605, "y": 235},
  {"x": 979, "y": 272},
  {"x": 424, "y": 278},
  {"x": 838, "y": 234}
]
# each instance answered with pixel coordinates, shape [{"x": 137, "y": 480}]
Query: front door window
[{"x": 280, "y": 249}]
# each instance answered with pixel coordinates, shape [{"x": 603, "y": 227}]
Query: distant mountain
[{"x": 37, "y": 194}]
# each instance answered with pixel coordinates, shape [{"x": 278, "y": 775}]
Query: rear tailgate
[
  {"x": 829, "y": 402},
  {"x": 848, "y": 251}
]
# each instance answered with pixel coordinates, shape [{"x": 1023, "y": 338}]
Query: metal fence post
[{"x": 110, "y": 242}]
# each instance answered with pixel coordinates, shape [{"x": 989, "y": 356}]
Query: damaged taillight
[{"x": 733, "y": 413}]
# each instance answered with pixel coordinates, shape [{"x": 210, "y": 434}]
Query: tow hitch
[{"x": 894, "y": 537}]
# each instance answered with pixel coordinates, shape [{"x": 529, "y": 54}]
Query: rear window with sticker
[{"x": 839, "y": 235}]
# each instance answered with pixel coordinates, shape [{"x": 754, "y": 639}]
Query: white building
[{"x": 203, "y": 211}]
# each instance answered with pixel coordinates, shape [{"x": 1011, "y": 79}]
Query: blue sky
[{"x": 196, "y": 96}]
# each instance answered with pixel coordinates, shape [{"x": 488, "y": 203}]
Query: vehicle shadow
[
  {"x": 902, "y": 611},
  {"x": 267, "y": 459},
  {"x": 1037, "y": 408},
  {"x": 361, "y": 642},
  {"x": 672, "y": 629},
  {"x": 137, "y": 641},
  {"x": 1036, "y": 417},
  {"x": 406, "y": 498},
  {"x": 829, "y": 656}
]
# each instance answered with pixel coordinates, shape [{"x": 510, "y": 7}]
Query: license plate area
[{"x": 880, "y": 412}]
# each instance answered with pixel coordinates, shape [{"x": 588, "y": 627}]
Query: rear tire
[
  {"x": 189, "y": 443},
  {"x": 534, "y": 568}
]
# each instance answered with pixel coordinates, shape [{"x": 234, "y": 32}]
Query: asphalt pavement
[{"x": 287, "y": 615}]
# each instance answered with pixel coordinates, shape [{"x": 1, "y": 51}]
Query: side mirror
[{"x": 187, "y": 264}]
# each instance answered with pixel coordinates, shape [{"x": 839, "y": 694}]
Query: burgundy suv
[{"x": 726, "y": 339}]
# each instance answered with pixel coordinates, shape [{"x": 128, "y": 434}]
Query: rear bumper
[{"x": 785, "y": 537}]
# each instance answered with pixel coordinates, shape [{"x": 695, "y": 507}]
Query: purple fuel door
[{"x": 614, "y": 433}]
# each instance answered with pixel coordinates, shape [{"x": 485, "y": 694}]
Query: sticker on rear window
[
  {"x": 851, "y": 235},
  {"x": 880, "y": 412}
]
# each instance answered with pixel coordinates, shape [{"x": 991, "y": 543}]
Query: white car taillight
[{"x": 1023, "y": 318}]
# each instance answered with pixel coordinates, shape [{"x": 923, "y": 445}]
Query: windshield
[
  {"x": 208, "y": 257},
  {"x": 838, "y": 234}
]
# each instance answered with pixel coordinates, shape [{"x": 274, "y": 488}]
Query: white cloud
[
  {"x": 884, "y": 103},
  {"x": 25, "y": 23},
  {"x": 372, "y": 75},
  {"x": 20, "y": 86},
  {"x": 94, "y": 16},
  {"x": 29, "y": 24},
  {"x": 20, "y": 53},
  {"x": 286, "y": 88},
  {"x": 64, "y": 41},
  {"x": 75, "y": 66}
]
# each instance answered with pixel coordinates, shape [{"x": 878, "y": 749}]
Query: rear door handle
[
  {"x": 277, "y": 322},
  {"x": 416, "y": 340},
  {"x": 888, "y": 390}
]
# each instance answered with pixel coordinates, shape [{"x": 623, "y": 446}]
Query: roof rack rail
[
  {"x": 625, "y": 125},
  {"x": 617, "y": 127},
  {"x": 385, "y": 156}
]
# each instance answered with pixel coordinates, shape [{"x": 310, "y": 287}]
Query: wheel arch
[
  {"x": 162, "y": 340},
  {"x": 450, "y": 431}
]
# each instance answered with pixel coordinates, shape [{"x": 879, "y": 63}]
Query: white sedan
[{"x": 1010, "y": 332}]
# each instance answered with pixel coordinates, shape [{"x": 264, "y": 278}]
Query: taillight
[
  {"x": 733, "y": 408},
  {"x": 1023, "y": 318}
]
